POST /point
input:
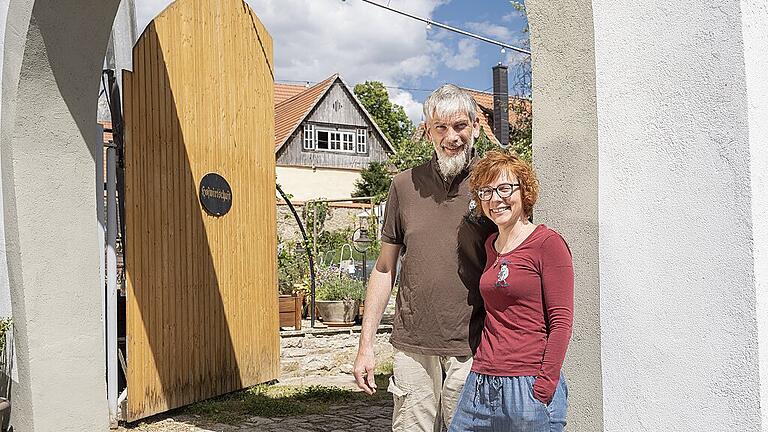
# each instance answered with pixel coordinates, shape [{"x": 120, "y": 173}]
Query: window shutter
[
  {"x": 309, "y": 137},
  {"x": 362, "y": 141}
]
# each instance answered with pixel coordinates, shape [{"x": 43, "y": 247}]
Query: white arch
[
  {"x": 52, "y": 60},
  {"x": 648, "y": 125}
]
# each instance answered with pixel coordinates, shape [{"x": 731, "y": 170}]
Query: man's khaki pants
[{"x": 426, "y": 389}]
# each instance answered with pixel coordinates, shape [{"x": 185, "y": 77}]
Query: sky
[{"x": 315, "y": 38}]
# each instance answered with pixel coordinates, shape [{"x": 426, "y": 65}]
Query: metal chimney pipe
[{"x": 501, "y": 104}]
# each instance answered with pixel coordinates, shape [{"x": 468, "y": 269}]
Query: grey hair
[{"x": 447, "y": 100}]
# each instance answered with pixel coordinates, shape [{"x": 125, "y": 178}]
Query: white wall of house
[
  {"x": 670, "y": 158},
  {"x": 307, "y": 183}
]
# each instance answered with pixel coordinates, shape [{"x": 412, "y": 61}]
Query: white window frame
[
  {"x": 339, "y": 140},
  {"x": 362, "y": 141},
  {"x": 310, "y": 140}
]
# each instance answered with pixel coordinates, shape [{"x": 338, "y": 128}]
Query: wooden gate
[{"x": 202, "y": 316}]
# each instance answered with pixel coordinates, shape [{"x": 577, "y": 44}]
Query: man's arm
[{"x": 376, "y": 299}]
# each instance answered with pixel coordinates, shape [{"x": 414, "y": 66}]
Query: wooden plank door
[{"x": 202, "y": 314}]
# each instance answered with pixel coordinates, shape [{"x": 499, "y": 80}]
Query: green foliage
[
  {"x": 521, "y": 133},
  {"x": 519, "y": 138},
  {"x": 319, "y": 211},
  {"x": 483, "y": 144},
  {"x": 6, "y": 325},
  {"x": 411, "y": 153},
  {"x": 292, "y": 269},
  {"x": 374, "y": 182},
  {"x": 520, "y": 80},
  {"x": 390, "y": 118},
  {"x": 333, "y": 284}
]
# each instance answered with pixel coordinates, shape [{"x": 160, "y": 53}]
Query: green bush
[
  {"x": 5, "y": 326},
  {"x": 335, "y": 285},
  {"x": 292, "y": 270}
]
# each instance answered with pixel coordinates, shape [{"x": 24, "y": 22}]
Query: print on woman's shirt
[{"x": 501, "y": 281}]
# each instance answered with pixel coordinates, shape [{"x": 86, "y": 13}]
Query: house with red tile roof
[{"x": 324, "y": 137}]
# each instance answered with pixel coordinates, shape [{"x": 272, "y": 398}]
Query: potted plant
[
  {"x": 338, "y": 297},
  {"x": 291, "y": 287}
]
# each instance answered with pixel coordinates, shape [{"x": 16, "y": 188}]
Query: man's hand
[
  {"x": 365, "y": 363},
  {"x": 376, "y": 298}
]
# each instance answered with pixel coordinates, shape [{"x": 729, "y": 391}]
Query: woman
[{"x": 527, "y": 286}]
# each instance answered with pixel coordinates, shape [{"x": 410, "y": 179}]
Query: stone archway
[
  {"x": 53, "y": 56},
  {"x": 664, "y": 101}
]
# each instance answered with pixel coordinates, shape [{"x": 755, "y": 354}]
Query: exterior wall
[
  {"x": 5, "y": 289},
  {"x": 565, "y": 157},
  {"x": 676, "y": 235},
  {"x": 306, "y": 184},
  {"x": 754, "y": 22},
  {"x": 675, "y": 163},
  {"x": 293, "y": 153},
  {"x": 54, "y": 52}
]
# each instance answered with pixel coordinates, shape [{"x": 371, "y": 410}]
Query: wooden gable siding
[{"x": 349, "y": 116}]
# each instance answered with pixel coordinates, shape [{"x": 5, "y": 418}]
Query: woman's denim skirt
[{"x": 491, "y": 403}]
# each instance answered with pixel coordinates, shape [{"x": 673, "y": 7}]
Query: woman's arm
[{"x": 557, "y": 287}]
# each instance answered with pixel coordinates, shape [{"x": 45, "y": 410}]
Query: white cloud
[
  {"x": 316, "y": 38},
  {"x": 465, "y": 56},
  {"x": 500, "y": 33},
  {"x": 413, "y": 109}
]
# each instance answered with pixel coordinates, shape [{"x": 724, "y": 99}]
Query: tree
[
  {"x": 374, "y": 182},
  {"x": 390, "y": 117},
  {"x": 521, "y": 75},
  {"x": 397, "y": 127},
  {"x": 411, "y": 153}
]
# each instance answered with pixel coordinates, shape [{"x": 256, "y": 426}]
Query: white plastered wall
[
  {"x": 307, "y": 183},
  {"x": 52, "y": 57},
  {"x": 755, "y": 32},
  {"x": 678, "y": 317},
  {"x": 5, "y": 289},
  {"x": 681, "y": 203}
]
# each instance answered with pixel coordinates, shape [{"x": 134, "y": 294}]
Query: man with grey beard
[{"x": 438, "y": 311}]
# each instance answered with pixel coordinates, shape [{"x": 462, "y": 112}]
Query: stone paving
[{"x": 368, "y": 416}]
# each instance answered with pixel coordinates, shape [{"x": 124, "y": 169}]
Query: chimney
[{"x": 501, "y": 104}]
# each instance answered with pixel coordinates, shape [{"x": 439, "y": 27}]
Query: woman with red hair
[{"x": 516, "y": 383}]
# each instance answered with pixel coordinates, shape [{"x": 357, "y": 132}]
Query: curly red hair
[{"x": 493, "y": 164}]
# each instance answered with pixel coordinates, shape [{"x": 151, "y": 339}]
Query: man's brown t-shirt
[{"x": 442, "y": 258}]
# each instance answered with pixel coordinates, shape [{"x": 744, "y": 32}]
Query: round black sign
[{"x": 215, "y": 194}]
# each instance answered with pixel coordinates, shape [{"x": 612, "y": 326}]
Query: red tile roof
[
  {"x": 290, "y": 112},
  {"x": 287, "y": 91}
]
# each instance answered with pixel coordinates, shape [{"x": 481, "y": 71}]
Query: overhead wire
[{"x": 431, "y": 22}]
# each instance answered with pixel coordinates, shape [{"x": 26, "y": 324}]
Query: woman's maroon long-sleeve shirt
[{"x": 528, "y": 295}]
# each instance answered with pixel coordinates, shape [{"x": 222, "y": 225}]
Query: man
[{"x": 426, "y": 223}]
